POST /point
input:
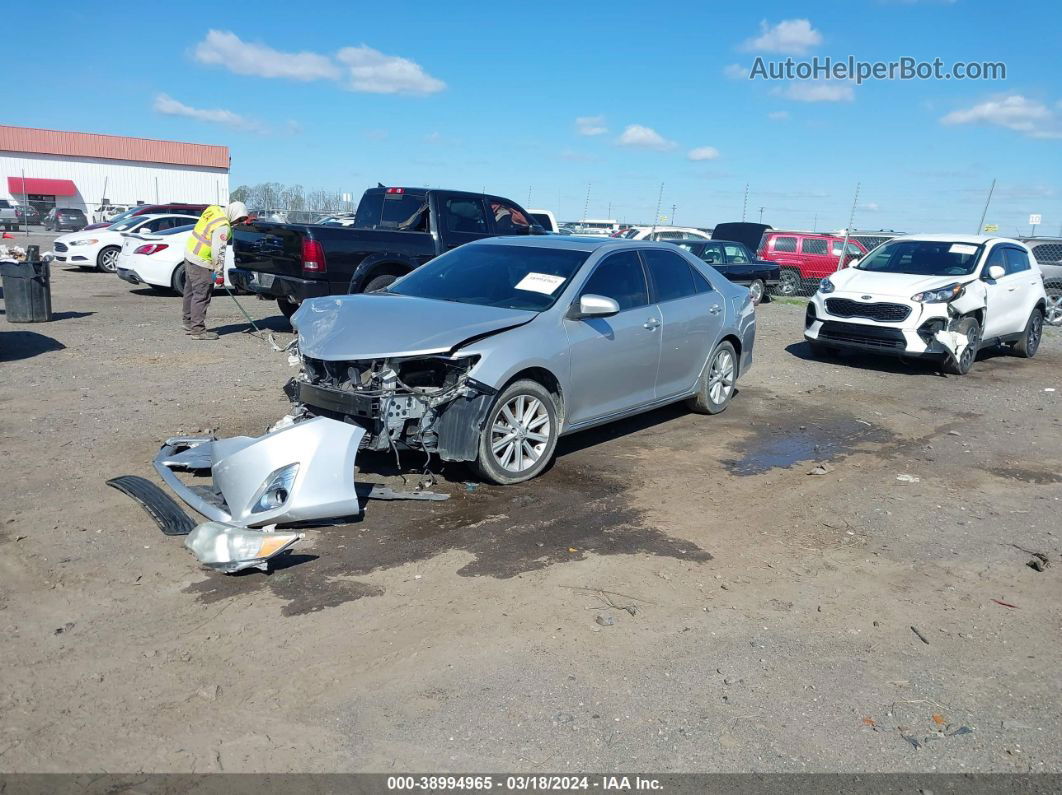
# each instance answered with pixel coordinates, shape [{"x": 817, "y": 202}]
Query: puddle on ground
[
  {"x": 564, "y": 515},
  {"x": 796, "y": 439},
  {"x": 1038, "y": 477}
]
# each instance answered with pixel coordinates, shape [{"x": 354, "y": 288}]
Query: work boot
[
  {"x": 187, "y": 328},
  {"x": 205, "y": 335}
]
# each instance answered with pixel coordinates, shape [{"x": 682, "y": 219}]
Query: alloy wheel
[
  {"x": 520, "y": 433},
  {"x": 756, "y": 291},
  {"x": 721, "y": 377},
  {"x": 1053, "y": 315},
  {"x": 1035, "y": 332},
  {"x": 788, "y": 283},
  {"x": 109, "y": 260}
]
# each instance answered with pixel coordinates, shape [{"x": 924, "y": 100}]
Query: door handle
[
  {"x": 714, "y": 309},
  {"x": 652, "y": 324}
]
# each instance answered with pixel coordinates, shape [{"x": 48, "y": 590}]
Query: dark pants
[{"x": 198, "y": 290}]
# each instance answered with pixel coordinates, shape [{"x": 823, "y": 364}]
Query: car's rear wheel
[
  {"x": 287, "y": 306},
  {"x": 107, "y": 259},
  {"x": 971, "y": 329},
  {"x": 718, "y": 381},
  {"x": 1053, "y": 315},
  {"x": 756, "y": 291},
  {"x": 380, "y": 282},
  {"x": 178, "y": 279},
  {"x": 788, "y": 282},
  {"x": 520, "y": 435},
  {"x": 1029, "y": 343}
]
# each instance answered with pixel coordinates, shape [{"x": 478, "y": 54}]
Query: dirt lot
[{"x": 752, "y": 616}]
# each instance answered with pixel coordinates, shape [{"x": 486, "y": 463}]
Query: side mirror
[
  {"x": 996, "y": 272},
  {"x": 591, "y": 305},
  {"x": 852, "y": 262}
]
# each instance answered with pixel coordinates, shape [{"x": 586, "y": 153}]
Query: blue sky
[{"x": 473, "y": 95}]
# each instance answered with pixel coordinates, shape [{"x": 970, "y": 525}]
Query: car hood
[
  {"x": 381, "y": 325},
  {"x": 901, "y": 285}
]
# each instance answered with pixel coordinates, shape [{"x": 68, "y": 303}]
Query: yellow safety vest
[{"x": 198, "y": 247}]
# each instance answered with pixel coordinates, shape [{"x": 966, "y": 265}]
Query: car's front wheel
[
  {"x": 971, "y": 329},
  {"x": 718, "y": 381},
  {"x": 520, "y": 435},
  {"x": 756, "y": 291},
  {"x": 107, "y": 259},
  {"x": 1053, "y": 315}
]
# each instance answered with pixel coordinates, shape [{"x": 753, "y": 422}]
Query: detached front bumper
[{"x": 299, "y": 473}]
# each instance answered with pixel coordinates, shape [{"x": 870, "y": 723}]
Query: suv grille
[
  {"x": 884, "y": 313},
  {"x": 866, "y": 336},
  {"x": 60, "y": 246}
]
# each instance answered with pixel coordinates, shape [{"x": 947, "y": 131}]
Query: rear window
[
  {"x": 400, "y": 212},
  {"x": 785, "y": 244}
]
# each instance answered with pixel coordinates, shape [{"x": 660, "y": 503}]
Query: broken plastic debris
[
  {"x": 954, "y": 341},
  {"x": 908, "y": 479},
  {"x": 820, "y": 469},
  {"x": 229, "y": 549}
]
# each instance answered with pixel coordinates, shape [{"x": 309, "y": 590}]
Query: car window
[
  {"x": 836, "y": 245},
  {"x": 736, "y": 253},
  {"x": 712, "y": 254},
  {"x": 813, "y": 245},
  {"x": 995, "y": 257},
  {"x": 621, "y": 278},
  {"x": 464, "y": 215},
  {"x": 785, "y": 244},
  {"x": 508, "y": 220},
  {"x": 1017, "y": 261},
  {"x": 671, "y": 275}
]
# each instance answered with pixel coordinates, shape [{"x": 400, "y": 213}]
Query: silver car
[{"x": 492, "y": 351}]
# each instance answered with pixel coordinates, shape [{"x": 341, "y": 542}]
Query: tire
[
  {"x": 788, "y": 282},
  {"x": 1053, "y": 316},
  {"x": 379, "y": 282},
  {"x": 718, "y": 381},
  {"x": 107, "y": 259},
  {"x": 177, "y": 279},
  {"x": 523, "y": 408},
  {"x": 972, "y": 329},
  {"x": 757, "y": 291},
  {"x": 287, "y": 307},
  {"x": 1029, "y": 343}
]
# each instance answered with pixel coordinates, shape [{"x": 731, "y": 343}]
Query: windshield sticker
[
  {"x": 545, "y": 283},
  {"x": 962, "y": 248}
]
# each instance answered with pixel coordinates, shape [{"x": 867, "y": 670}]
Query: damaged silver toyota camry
[{"x": 492, "y": 351}]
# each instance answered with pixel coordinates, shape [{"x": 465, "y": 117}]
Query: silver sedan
[{"x": 492, "y": 351}]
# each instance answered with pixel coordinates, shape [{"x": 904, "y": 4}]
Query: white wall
[{"x": 127, "y": 181}]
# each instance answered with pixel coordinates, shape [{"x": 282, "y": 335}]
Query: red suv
[{"x": 805, "y": 258}]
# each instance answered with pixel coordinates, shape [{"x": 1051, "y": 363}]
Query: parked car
[
  {"x": 492, "y": 351},
  {"x": 666, "y": 233},
  {"x": 1047, "y": 251},
  {"x": 108, "y": 213},
  {"x": 395, "y": 231},
  {"x": 176, "y": 208},
  {"x": 60, "y": 218},
  {"x": 805, "y": 257},
  {"x": 99, "y": 248},
  {"x": 546, "y": 220},
  {"x": 157, "y": 258},
  {"x": 9, "y": 214},
  {"x": 736, "y": 263},
  {"x": 27, "y": 215},
  {"x": 937, "y": 296}
]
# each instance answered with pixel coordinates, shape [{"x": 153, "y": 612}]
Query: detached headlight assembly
[
  {"x": 88, "y": 241},
  {"x": 941, "y": 295},
  {"x": 826, "y": 286}
]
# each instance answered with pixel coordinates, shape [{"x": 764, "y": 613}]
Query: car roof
[
  {"x": 586, "y": 243},
  {"x": 974, "y": 240}
]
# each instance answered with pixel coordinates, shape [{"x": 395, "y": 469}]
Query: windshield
[
  {"x": 514, "y": 277},
  {"x": 122, "y": 216},
  {"x": 923, "y": 258},
  {"x": 129, "y": 223}
]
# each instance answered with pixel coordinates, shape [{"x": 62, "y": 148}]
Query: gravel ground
[{"x": 677, "y": 593}]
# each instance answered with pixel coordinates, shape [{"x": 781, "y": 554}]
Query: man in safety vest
[{"x": 204, "y": 255}]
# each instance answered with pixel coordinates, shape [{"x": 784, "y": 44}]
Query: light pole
[
  {"x": 673, "y": 214},
  {"x": 761, "y": 215}
]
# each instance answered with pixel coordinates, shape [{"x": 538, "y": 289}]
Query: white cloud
[
  {"x": 221, "y": 48},
  {"x": 819, "y": 91},
  {"x": 590, "y": 125},
  {"x": 372, "y": 72},
  {"x": 703, "y": 153},
  {"x": 736, "y": 71},
  {"x": 645, "y": 138},
  {"x": 871, "y": 207},
  {"x": 358, "y": 68},
  {"x": 778, "y": 115},
  {"x": 168, "y": 106},
  {"x": 1014, "y": 112},
  {"x": 790, "y": 36}
]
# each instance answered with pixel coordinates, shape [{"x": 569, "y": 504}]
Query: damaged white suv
[{"x": 933, "y": 296}]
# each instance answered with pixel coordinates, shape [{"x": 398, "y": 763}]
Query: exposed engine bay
[{"x": 426, "y": 403}]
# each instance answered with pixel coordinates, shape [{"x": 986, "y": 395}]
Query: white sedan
[
  {"x": 157, "y": 259},
  {"x": 666, "y": 233},
  {"x": 99, "y": 248}
]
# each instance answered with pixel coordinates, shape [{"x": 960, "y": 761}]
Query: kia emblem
[{"x": 866, "y": 297}]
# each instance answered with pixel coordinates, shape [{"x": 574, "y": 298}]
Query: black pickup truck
[{"x": 395, "y": 230}]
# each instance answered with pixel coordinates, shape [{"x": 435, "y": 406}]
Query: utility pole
[
  {"x": 528, "y": 195},
  {"x": 848, "y": 230},
  {"x": 586, "y": 204},
  {"x": 745, "y": 206},
  {"x": 761, "y": 215},
  {"x": 673, "y": 214},
  {"x": 656, "y": 216},
  {"x": 984, "y": 212},
  {"x": 815, "y": 223},
  {"x": 609, "y": 213}
]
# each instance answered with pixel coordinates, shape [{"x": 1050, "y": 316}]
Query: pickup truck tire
[
  {"x": 287, "y": 307},
  {"x": 177, "y": 280},
  {"x": 107, "y": 259},
  {"x": 788, "y": 282},
  {"x": 379, "y": 282},
  {"x": 525, "y": 413},
  {"x": 1029, "y": 343}
]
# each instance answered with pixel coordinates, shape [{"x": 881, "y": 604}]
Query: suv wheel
[
  {"x": 520, "y": 435},
  {"x": 969, "y": 327},
  {"x": 1053, "y": 316},
  {"x": 379, "y": 282},
  {"x": 788, "y": 282},
  {"x": 1029, "y": 343}
]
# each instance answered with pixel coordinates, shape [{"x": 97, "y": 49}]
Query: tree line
[{"x": 277, "y": 196}]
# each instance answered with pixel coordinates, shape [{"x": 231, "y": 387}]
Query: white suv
[{"x": 939, "y": 296}]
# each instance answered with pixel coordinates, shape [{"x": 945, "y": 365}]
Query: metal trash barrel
[{"x": 27, "y": 291}]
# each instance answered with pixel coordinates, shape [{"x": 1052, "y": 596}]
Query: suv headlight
[
  {"x": 941, "y": 295},
  {"x": 826, "y": 286}
]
